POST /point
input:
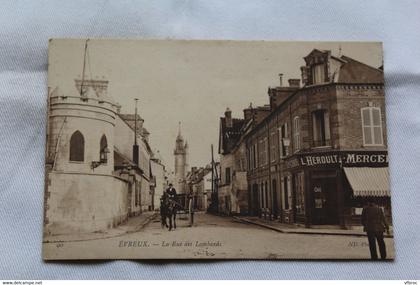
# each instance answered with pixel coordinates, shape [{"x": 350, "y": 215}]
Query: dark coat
[
  {"x": 373, "y": 219},
  {"x": 171, "y": 192}
]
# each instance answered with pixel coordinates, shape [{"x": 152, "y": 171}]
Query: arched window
[
  {"x": 77, "y": 147},
  {"x": 103, "y": 150}
]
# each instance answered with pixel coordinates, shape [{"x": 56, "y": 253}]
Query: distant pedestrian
[
  {"x": 191, "y": 209},
  {"x": 374, "y": 224}
]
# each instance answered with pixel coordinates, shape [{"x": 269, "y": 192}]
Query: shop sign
[
  {"x": 311, "y": 160},
  {"x": 317, "y": 189},
  {"x": 343, "y": 159}
]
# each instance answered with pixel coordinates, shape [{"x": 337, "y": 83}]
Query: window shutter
[
  {"x": 372, "y": 126},
  {"x": 327, "y": 125},
  {"x": 377, "y": 126}
]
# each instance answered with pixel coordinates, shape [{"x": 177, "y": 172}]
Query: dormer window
[{"x": 318, "y": 73}]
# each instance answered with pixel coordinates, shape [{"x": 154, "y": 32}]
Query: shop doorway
[
  {"x": 275, "y": 202},
  {"x": 324, "y": 202},
  {"x": 255, "y": 203}
]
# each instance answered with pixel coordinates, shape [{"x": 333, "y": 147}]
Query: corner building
[{"x": 322, "y": 151}]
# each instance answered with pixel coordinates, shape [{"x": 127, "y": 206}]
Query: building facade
[
  {"x": 322, "y": 150},
  {"x": 232, "y": 187},
  {"x": 159, "y": 184},
  {"x": 92, "y": 182},
  {"x": 199, "y": 182}
]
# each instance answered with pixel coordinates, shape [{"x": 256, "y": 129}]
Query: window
[
  {"x": 296, "y": 134},
  {"x": 77, "y": 147},
  {"x": 321, "y": 128},
  {"x": 372, "y": 126},
  {"x": 318, "y": 74},
  {"x": 284, "y": 149},
  {"x": 264, "y": 151},
  {"x": 227, "y": 175},
  {"x": 263, "y": 159},
  {"x": 299, "y": 193},
  {"x": 103, "y": 149},
  {"x": 255, "y": 156},
  {"x": 137, "y": 193},
  {"x": 273, "y": 147}
]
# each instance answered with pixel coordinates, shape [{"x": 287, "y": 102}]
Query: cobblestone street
[{"x": 216, "y": 238}]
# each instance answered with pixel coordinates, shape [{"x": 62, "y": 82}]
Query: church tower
[{"x": 181, "y": 162}]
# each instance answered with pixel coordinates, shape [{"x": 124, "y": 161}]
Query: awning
[{"x": 368, "y": 181}]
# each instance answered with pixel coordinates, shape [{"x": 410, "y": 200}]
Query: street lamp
[
  {"x": 286, "y": 142},
  {"x": 103, "y": 158}
]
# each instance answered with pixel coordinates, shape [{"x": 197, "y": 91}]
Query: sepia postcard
[{"x": 176, "y": 149}]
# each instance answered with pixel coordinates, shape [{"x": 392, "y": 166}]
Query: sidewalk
[
  {"x": 134, "y": 224},
  {"x": 296, "y": 229}
]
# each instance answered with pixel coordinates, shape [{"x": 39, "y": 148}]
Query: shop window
[
  {"x": 372, "y": 126},
  {"x": 286, "y": 192},
  {"x": 77, "y": 147},
  {"x": 318, "y": 74},
  {"x": 137, "y": 194},
  {"x": 284, "y": 141},
  {"x": 321, "y": 128},
  {"x": 227, "y": 175},
  {"x": 266, "y": 196},
  {"x": 296, "y": 134},
  {"x": 299, "y": 193}
]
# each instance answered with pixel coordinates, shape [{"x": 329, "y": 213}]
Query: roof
[
  {"x": 129, "y": 120},
  {"x": 353, "y": 71},
  {"x": 130, "y": 117},
  {"x": 350, "y": 71},
  {"x": 196, "y": 175},
  {"x": 229, "y": 135},
  {"x": 368, "y": 181}
]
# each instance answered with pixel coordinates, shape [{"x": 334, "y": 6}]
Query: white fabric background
[{"x": 25, "y": 27}]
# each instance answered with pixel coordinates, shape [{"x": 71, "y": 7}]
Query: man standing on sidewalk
[
  {"x": 374, "y": 224},
  {"x": 191, "y": 209}
]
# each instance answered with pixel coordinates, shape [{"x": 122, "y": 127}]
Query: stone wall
[{"x": 80, "y": 202}]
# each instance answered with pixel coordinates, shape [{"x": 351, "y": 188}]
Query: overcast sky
[{"x": 189, "y": 81}]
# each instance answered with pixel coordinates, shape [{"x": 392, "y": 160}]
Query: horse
[{"x": 168, "y": 209}]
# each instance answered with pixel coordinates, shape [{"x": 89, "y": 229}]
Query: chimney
[
  {"x": 294, "y": 82},
  {"x": 305, "y": 75},
  {"x": 279, "y": 94},
  {"x": 281, "y": 79},
  {"x": 228, "y": 118},
  {"x": 248, "y": 113}
]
